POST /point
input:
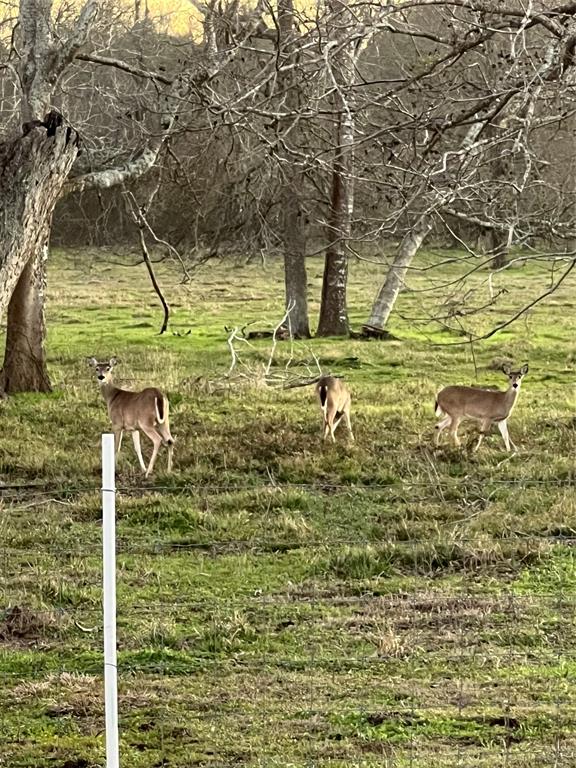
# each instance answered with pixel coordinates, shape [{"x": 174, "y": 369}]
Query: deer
[
  {"x": 335, "y": 403},
  {"x": 484, "y": 405},
  {"x": 134, "y": 411}
]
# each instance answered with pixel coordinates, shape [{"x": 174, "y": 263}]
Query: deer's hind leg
[
  {"x": 455, "y": 423},
  {"x": 167, "y": 440},
  {"x": 156, "y": 438},
  {"x": 325, "y": 426},
  {"x": 440, "y": 427},
  {"x": 138, "y": 448},
  {"x": 337, "y": 419},
  {"x": 348, "y": 423},
  {"x": 328, "y": 431},
  {"x": 170, "y": 452},
  {"x": 331, "y": 428}
]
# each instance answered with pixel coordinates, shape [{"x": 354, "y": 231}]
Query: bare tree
[
  {"x": 388, "y": 293},
  {"x": 466, "y": 148},
  {"x": 357, "y": 126},
  {"x": 39, "y": 164},
  {"x": 34, "y": 169}
]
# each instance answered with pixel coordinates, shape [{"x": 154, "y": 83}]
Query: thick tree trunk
[
  {"x": 292, "y": 218},
  {"x": 333, "y": 319},
  {"x": 295, "y": 278},
  {"x": 384, "y": 303},
  {"x": 33, "y": 169},
  {"x": 333, "y": 308},
  {"x": 25, "y": 357}
]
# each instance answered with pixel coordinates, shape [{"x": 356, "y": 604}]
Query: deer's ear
[
  {"x": 524, "y": 369},
  {"x": 112, "y": 362},
  {"x": 92, "y": 361},
  {"x": 506, "y": 369}
]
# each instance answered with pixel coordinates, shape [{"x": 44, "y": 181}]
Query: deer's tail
[{"x": 160, "y": 409}]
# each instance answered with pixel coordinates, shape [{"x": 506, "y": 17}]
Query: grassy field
[{"x": 280, "y": 602}]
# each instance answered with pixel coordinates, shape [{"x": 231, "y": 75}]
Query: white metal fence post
[{"x": 109, "y": 599}]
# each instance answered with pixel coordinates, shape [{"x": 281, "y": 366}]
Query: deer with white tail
[
  {"x": 484, "y": 405},
  {"x": 134, "y": 411},
  {"x": 335, "y": 402}
]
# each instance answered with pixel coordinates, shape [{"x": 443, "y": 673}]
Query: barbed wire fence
[{"x": 393, "y": 652}]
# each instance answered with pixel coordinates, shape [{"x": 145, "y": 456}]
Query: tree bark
[
  {"x": 384, "y": 303},
  {"x": 333, "y": 319},
  {"x": 25, "y": 357},
  {"x": 292, "y": 218},
  {"x": 501, "y": 171},
  {"x": 295, "y": 277},
  {"x": 33, "y": 169},
  {"x": 499, "y": 249}
]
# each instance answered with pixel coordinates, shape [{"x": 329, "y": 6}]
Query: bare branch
[
  {"x": 281, "y": 324},
  {"x": 139, "y": 218},
  {"x": 79, "y": 35},
  {"x": 518, "y": 314},
  {"x": 123, "y": 66},
  {"x": 112, "y": 177}
]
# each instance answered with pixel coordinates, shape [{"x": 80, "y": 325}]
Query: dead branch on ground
[{"x": 261, "y": 373}]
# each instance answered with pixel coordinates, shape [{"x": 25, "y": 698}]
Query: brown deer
[
  {"x": 335, "y": 403},
  {"x": 485, "y": 405},
  {"x": 133, "y": 411}
]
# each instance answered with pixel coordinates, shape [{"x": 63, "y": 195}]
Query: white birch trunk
[
  {"x": 384, "y": 303},
  {"x": 409, "y": 247}
]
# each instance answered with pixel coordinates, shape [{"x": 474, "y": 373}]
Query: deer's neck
[
  {"x": 109, "y": 392},
  {"x": 510, "y": 397}
]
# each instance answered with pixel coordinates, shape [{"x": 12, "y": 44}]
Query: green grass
[{"x": 281, "y": 602}]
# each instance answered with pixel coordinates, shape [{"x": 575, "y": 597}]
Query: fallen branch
[
  {"x": 306, "y": 382},
  {"x": 261, "y": 372},
  {"x": 281, "y": 324},
  {"x": 234, "y": 335}
]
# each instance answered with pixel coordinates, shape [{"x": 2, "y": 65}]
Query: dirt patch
[{"x": 22, "y": 624}]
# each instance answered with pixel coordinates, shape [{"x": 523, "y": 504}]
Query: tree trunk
[
  {"x": 333, "y": 308},
  {"x": 295, "y": 278},
  {"x": 384, "y": 303},
  {"x": 292, "y": 218},
  {"x": 25, "y": 357},
  {"x": 33, "y": 169},
  {"x": 499, "y": 242},
  {"x": 333, "y": 319}
]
